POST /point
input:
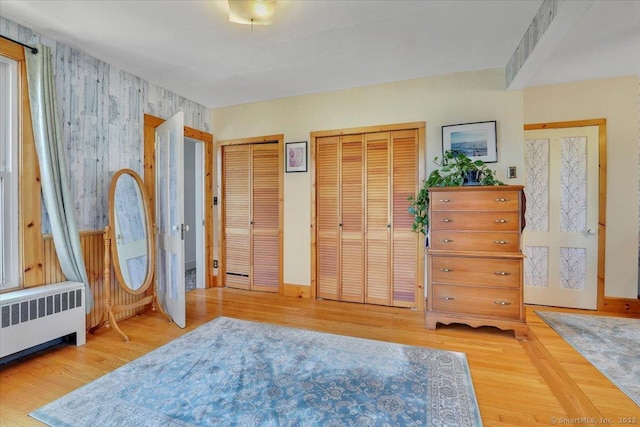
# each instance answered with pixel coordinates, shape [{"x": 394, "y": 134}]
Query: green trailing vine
[{"x": 455, "y": 169}]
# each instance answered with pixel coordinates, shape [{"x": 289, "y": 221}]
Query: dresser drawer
[
  {"x": 476, "y": 301},
  {"x": 476, "y": 271},
  {"x": 474, "y": 241},
  {"x": 475, "y": 201},
  {"x": 477, "y": 221}
]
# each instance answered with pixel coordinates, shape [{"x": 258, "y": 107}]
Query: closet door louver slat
[
  {"x": 352, "y": 250},
  {"x": 377, "y": 219},
  {"x": 405, "y": 241},
  {"x": 327, "y": 218},
  {"x": 265, "y": 209},
  {"x": 237, "y": 211},
  {"x": 366, "y": 251}
]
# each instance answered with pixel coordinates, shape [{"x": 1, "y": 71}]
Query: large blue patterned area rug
[
  {"x": 611, "y": 344},
  {"x": 232, "y": 372}
]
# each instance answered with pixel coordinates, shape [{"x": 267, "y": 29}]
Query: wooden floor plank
[{"x": 516, "y": 383}]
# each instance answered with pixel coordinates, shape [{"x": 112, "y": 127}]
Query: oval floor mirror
[{"x": 130, "y": 243}]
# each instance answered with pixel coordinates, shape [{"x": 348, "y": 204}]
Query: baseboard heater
[{"x": 33, "y": 316}]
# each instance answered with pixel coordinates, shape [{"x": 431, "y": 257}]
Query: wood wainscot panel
[{"x": 92, "y": 243}]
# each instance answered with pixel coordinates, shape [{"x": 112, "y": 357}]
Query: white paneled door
[
  {"x": 170, "y": 217},
  {"x": 561, "y": 234}
]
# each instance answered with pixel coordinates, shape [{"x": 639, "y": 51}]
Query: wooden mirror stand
[{"x": 129, "y": 242}]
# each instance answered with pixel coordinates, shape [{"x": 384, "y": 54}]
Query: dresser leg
[
  {"x": 522, "y": 333},
  {"x": 431, "y": 323}
]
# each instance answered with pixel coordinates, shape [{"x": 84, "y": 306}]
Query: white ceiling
[{"x": 190, "y": 48}]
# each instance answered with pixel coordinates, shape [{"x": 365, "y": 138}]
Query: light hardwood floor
[{"x": 516, "y": 383}]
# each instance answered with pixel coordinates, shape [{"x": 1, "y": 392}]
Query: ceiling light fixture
[{"x": 251, "y": 12}]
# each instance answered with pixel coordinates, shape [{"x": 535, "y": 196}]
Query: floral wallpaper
[
  {"x": 573, "y": 268},
  {"x": 573, "y": 184},
  {"x": 536, "y": 266},
  {"x": 537, "y": 188}
]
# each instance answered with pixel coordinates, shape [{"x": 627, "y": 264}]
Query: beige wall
[
  {"x": 617, "y": 101},
  {"x": 441, "y": 100},
  {"x": 451, "y": 99}
]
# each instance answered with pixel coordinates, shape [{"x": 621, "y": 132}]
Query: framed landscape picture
[{"x": 476, "y": 140}]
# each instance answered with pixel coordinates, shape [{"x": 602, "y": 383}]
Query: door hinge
[
  {"x": 215, "y": 263},
  {"x": 215, "y": 201}
]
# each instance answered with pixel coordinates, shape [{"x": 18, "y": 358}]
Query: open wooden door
[{"x": 170, "y": 272}]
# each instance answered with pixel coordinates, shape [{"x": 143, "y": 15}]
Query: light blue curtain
[{"x": 58, "y": 199}]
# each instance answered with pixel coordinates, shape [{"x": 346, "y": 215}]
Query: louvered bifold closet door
[
  {"x": 378, "y": 225},
  {"x": 327, "y": 201},
  {"x": 352, "y": 219},
  {"x": 237, "y": 198},
  {"x": 265, "y": 224},
  {"x": 405, "y": 242}
]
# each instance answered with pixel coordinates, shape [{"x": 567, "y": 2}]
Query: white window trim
[{"x": 9, "y": 245}]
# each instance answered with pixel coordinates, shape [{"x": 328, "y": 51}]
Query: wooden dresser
[{"x": 475, "y": 262}]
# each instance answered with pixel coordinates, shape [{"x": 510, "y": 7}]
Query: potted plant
[{"x": 455, "y": 169}]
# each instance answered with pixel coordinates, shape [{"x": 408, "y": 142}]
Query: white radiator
[{"x": 33, "y": 316}]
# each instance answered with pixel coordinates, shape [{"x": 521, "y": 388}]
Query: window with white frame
[{"x": 8, "y": 174}]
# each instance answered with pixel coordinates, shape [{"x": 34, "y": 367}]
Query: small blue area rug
[
  {"x": 232, "y": 372},
  {"x": 611, "y": 344}
]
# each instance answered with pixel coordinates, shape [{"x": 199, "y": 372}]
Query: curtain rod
[{"x": 33, "y": 49}]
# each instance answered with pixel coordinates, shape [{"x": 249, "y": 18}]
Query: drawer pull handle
[
  {"x": 501, "y": 221},
  {"x": 446, "y": 240},
  {"x": 447, "y": 298},
  {"x": 501, "y": 242},
  {"x": 502, "y": 273},
  {"x": 503, "y": 303},
  {"x": 446, "y": 270},
  {"x": 502, "y": 199},
  {"x": 445, "y": 200},
  {"x": 446, "y": 220}
]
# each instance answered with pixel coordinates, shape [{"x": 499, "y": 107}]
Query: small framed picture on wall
[
  {"x": 476, "y": 140},
  {"x": 296, "y": 157}
]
